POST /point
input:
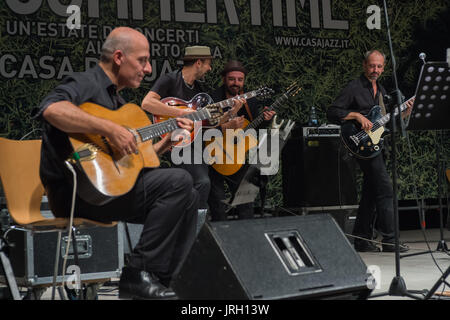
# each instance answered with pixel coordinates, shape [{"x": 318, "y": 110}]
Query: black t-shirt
[
  {"x": 93, "y": 86},
  {"x": 172, "y": 85},
  {"x": 357, "y": 96}
]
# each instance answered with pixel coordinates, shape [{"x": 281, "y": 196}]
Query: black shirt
[
  {"x": 220, "y": 94},
  {"x": 357, "y": 96},
  {"x": 172, "y": 85},
  {"x": 93, "y": 86}
]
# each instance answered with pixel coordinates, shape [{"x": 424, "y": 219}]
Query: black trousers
[
  {"x": 202, "y": 183},
  {"x": 376, "y": 201},
  {"x": 217, "y": 195},
  {"x": 163, "y": 200},
  {"x": 198, "y": 170}
]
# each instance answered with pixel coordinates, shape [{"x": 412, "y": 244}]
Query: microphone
[{"x": 422, "y": 57}]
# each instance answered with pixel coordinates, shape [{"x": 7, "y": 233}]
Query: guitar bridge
[
  {"x": 86, "y": 152},
  {"x": 354, "y": 139}
]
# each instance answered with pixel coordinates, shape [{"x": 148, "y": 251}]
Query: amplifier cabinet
[{"x": 317, "y": 170}]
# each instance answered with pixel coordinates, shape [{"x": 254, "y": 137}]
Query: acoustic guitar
[
  {"x": 102, "y": 172},
  {"x": 234, "y": 151},
  {"x": 203, "y": 100}
]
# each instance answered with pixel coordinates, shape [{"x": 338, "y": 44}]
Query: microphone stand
[{"x": 398, "y": 286}]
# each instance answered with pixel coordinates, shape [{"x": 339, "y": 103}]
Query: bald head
[
  {"x": 121, "y": 38},
  {"x": 373, "y": 52},
  {"x": 126, "y": 57}
]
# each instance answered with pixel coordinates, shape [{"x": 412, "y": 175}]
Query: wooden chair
[{"x": 19, "y": 174}]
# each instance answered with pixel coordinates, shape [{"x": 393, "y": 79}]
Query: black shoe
[
  {"x": 365, "y": 246},
  {"x": 139, "y": 284},
  {"x": 390, "y": 247}
]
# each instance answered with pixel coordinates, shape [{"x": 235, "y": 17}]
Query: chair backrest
[{"x": 19, "y": 174}]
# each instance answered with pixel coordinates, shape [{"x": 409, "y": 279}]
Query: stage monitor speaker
[
  {"x": 317, "y": 171},
  {"x": 281, "y": 258}
]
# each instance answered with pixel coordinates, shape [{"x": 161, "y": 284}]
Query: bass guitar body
[{"x": 363, "y": 144}]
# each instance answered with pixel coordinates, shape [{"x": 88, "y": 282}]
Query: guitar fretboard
[
  {"x": 259, "y": 119},
  {"x": 229, "y": 102},
  {"x": 385, "y": 119},
  {"x": 158, "y": 129}
]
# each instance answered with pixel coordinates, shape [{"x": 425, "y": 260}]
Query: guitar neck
[
  {"x": 260, "y": 118},
  {"x": 229, "y": 102},
  {"x": 158, "y": 129},
  {"x": 385, "y": 119}
]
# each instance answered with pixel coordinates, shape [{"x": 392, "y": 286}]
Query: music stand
[
  {"x": 431, "y": 112},
  {"x": 431, "y": 109},
  {"x": 252, "y": 183},
  {"x": 247, "y": 190}
]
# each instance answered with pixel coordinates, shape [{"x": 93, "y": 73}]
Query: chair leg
[
  {"x": 56, "y": 267},
  {"x": 9, "y": 274}
]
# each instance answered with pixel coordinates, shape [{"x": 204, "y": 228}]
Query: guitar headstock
[
  {"x": 293, "y": 89},
  {"x": 215, "y": 112},
  {"x": 264, "y": 92}
]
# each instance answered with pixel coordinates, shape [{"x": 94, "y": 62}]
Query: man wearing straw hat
[{"x": 184, "y": 84}]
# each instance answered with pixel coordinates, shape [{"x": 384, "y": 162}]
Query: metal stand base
[
  {"x": 442, "y": 246},
  {"x": 398, "y": 289},
  {"x": 438, "y": 284}
]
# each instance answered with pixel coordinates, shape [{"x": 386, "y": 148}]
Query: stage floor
[{"x": 420, "y": 272}]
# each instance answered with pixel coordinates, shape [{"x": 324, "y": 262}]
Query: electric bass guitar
[
  {"x": 201, "y": 101},
  {"x": 102, "y": 172},
  {"x": 234, "y": 150},
  {"x": 366, "y": 144}
]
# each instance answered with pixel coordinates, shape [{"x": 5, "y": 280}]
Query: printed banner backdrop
[{"x": 320, "y": 43}]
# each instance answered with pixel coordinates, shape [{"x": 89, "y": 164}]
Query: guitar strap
[
  {"x": 248, "y": 111},
  {"x": 381, "y": 103}
]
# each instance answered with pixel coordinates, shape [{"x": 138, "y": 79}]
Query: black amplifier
[
  {"x": 317, "y": 169},
  {"x": 329, "y": 130}
]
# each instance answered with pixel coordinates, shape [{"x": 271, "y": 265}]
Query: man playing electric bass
[
  {"x": 233, "y": 78},
  {"x": 376, "y": 204}
]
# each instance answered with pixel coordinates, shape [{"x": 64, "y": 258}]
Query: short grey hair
[
  {"x": 368, "y": 53},
  {"x": 113, "y": 43}
]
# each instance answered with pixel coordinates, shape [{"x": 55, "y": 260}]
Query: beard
[
  {"x": 233, "y": 90},
  {"x": 373, "y": 76}
]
